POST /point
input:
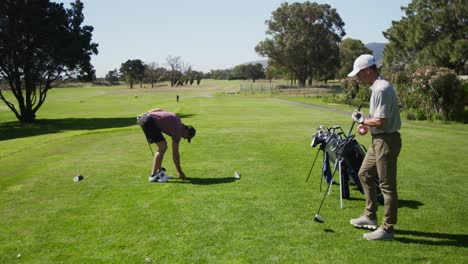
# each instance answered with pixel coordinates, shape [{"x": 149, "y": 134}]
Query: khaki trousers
[{"x": 381, "y": 160}]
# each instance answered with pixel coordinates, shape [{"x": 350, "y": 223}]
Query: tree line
[
  {"x": 42, "y": 44},
  {"x": 177, "y": 72}
]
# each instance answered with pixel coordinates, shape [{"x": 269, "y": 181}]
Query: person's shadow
[
  {"x": 207, "y": 181},
  {"x": 431, "y": 238},
  {"x": 428, "y": 238},
  {"x": 409, "y": 204}
]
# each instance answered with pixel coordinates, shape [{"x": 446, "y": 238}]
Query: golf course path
[{"x": 313, "y": 106}]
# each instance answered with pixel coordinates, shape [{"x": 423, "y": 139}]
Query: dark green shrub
[{"x": 438, "y": 93}]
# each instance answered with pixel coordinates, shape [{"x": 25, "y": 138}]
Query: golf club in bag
[{"x": 346, "y": 154}]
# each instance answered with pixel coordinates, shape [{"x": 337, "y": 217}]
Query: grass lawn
[{"x": 115, "y": 216}]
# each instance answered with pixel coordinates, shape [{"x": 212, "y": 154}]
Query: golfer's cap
[
  {"x": 361, "y": 63},
  {"x": 192, "y": 132}
]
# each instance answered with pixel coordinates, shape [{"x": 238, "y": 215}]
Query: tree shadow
[
  {"x": 206, "y": 181},
  {"x": 13, "y": 130},
  {"x": 430, "y": 238}
]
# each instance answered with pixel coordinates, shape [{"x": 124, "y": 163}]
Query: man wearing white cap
[{"x": 383, "y": 123}]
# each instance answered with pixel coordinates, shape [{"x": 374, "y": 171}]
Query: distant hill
[{"x": 377, "y": 49}]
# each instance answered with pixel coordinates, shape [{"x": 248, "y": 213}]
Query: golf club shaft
[
  {"x": 322, "y": 175},
  {"x": 352, "y": 125},
  {"x": 318, "y": 151},
  {"x": 149, "y": 145}
]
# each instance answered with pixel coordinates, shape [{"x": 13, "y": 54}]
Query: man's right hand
[{"x": 362, "y": 129}]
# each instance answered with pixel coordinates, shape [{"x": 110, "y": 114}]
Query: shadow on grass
[
  {"x": 12, "y": 130},
  {"x": 182, "y": 115},
  {"x": 206, "y": 181},
  {"x": 401, "y": 203},
  {"x": 430, "y": 238},
  {"x": 355, "y": 199},
  {"x": 409, "y": 204}
]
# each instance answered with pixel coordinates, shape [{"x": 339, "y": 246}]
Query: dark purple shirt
[{"x": 169, "y": 123}]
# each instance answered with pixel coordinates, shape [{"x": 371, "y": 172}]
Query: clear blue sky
[{"x": 209, "y": 34}]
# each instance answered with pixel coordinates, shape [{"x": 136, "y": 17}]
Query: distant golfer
[
  {"x": 381, "y": 159},
  {"x": 154, "y": 123}
]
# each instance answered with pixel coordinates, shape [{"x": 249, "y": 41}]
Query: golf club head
[{"x": 318, "y": 219}]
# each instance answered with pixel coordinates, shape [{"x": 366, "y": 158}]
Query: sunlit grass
[{"x": 115, "y": 216}]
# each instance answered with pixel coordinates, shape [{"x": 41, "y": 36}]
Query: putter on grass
[{"x": 318, "y": 218}]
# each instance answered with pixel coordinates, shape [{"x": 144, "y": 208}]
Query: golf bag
[{"x": 332, "y": 141}]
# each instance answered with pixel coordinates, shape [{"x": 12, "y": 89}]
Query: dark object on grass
[{"x": 78, "y": 178}]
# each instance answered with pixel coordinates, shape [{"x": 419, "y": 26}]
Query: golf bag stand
[
  {"x": 331, "y": 143},
  {"x": 346, "y": 155},
  {"x": 313, "y": 163}
]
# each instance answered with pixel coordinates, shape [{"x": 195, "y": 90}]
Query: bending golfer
[
  {"x": 156, "y": 122},
  {"x": 381, "y": 159}
]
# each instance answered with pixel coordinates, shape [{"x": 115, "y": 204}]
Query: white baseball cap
[{"x": 362, "y": 62}]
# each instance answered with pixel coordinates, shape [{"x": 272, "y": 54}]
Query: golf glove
[{"x": 358, "y": 117}]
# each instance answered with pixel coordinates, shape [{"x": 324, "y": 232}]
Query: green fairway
[{"x": 115, "y": 216}]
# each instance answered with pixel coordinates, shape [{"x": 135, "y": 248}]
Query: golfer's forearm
[
  {"x": 176, "y": 158},
  {"x": 375, "y": 122}
]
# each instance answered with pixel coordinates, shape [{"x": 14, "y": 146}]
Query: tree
[
  {"x": 174, "y": 64},
  {"x": 254, "y": 72},
  {"x": 273, "y": 71},
  {"x": 239, "y": 72},
  {"x": 42, "y": 44},
  {"x": 133, "y": 70},
  {"x": 186, "y": 70},
  {"x": 305, "y": 37},
  {"x": 350, "y": 49},
  {"x": 199, "y": 77},
  {"x": 220, "y": 74},
  {"x": 154, "y": 73},
  {"x": 112, "y": 76},
  {"x": 433, "y": 33}
]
